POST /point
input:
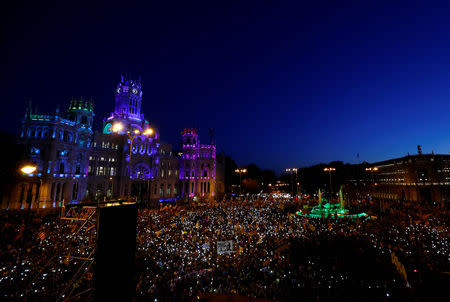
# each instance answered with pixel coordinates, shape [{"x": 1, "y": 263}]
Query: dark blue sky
[{"x": 283, "y": 83}]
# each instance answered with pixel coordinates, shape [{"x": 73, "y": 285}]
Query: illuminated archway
[{"x": 141, "y": 171}]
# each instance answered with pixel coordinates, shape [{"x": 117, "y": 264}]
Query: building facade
[
  {"x": 421, "y": 177},
  {"x": 125, "y": 160}
]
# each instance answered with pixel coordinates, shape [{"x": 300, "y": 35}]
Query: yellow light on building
[
  {"x": 28, "y": 169},
  {"x": 149, "y": 131},
  {"x": 117, "y": 127}
]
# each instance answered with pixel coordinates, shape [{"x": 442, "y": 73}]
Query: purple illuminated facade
[
  {"x": 198, "y": 166},
  {"x": 76, "y": 164}
]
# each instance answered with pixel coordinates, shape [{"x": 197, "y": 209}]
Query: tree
[{"x": 250, "y": 185}]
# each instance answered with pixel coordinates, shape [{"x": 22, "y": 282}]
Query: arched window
[
  {"x": 63, "y": 190},
  {"x": 58, "y": 192},
  {"x": 75, "y": 191},
  {"x": 52, "y": 197},
  {"x": 22, "y": 194}
]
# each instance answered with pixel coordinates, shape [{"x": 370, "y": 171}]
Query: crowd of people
[{"x": 274, "y": 253}]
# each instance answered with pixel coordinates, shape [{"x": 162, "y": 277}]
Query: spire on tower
[
  {"x": 29, "y": 110},
  {"x": 211, "y": 136}
]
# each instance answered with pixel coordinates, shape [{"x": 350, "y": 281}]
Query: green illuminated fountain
[
  {"x": 336, "y": 210},
  {"x": 320, "y": 198}
]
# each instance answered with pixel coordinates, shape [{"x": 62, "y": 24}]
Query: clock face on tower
[
  {"x": 134, "y": 91},
  {"x": 107, "y": 129},
  {"x": 119, "y": 90}
]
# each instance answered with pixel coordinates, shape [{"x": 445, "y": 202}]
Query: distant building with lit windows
[
  {"x": 76, "y": 164},
  {"x": 198, "y": 166},
  {"x": 420, "y": 177}
]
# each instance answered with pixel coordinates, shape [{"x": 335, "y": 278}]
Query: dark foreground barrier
[{"x": 116, "y": 248}]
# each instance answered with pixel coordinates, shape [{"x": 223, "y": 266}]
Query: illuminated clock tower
[
  {"x": 127, "y": 106},
  {"x": 128, "y": 99}
]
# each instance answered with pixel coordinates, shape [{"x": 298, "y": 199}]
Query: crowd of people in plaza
[{"x": 274, "y": 253}]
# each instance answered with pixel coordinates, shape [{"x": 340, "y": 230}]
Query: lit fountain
[{"x": 336, "y": 210}]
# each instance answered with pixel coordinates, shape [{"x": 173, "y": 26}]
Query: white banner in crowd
[{"x": 224, "y": 247}]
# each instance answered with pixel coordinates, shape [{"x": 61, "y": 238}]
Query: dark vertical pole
[
  {"x": 27, "y": 221},
  {"x": 240, "y": 183},
  {"x": 131, "y": 137},
  {"x": 148, "y": 192},
  {"x": 331, "y": 189}
]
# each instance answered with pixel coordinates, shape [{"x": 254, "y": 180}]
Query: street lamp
[
  {"x": 292, "y": 171},
  {"x": 329, "y": 170},
  {"x": 112, "y": 187},
  {"x": 131, "y": 133},
  {"x": 27, "y": 169},
  {"x": 372, "y": 170},
  {"x": 240, "y": 171}
]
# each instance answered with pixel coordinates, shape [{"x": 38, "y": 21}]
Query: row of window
[
  {"x": 190, "y": 165},
  {"x": 205, "y": 155},
  {"x": 166, "y": 173},
  {"x": 391, "y": 179},
  {"x": 205, "y": 187},
  {"x": 133, "y": 107},
  {"x": 192, "y": 173},
  {"x": 102, "y": 171},
  {"x": 168, "y": 164},
  {"x": 44, "y": 132},
  {"x": 60, "y": 167},
  {"x": 56, "y": 192},
  {"x": 58, "y": 189},
  {"x": 107, "y": 145},
  {"x": 83, "y": 120},
  {"x": 169, "y": 190},
  {"x": 101, "y": 158}
]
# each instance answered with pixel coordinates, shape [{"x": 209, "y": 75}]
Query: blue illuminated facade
[
  {"x": 76, "y": 164},
  {"x": 58, "y": 144}
]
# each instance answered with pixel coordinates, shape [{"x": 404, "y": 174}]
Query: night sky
[{"x": 283, "y": 83}]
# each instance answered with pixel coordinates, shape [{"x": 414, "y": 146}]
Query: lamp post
[
  {"x": 372, "y": 170},
  {"x": 240, "y": 171},
  {"x": 329, "y": 170},
  {"x": 27, "y": 169},
  {"x": 112, "y": 187},
  {"x": 291, "y": 171},
  {"x": 131, "y": 133}
]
